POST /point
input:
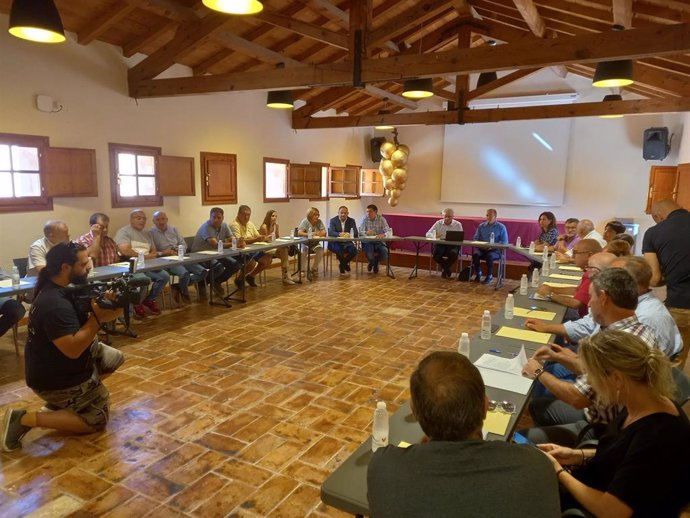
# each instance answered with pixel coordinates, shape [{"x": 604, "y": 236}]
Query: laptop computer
[{"x": 455, "y": 235}]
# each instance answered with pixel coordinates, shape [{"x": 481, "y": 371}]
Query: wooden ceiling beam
[
  {"x": 104, "y": 21},
  {"x": 589, "y": 48},
  {"x": 322, "y": 101},
  {"x": 529, "y": 13},
  {"x": 328, "y": 9},
  {"x": 254, "y": 50},
  {"x": 314, "y": 32},
  {"x": 171, "y": 9},
  {"x": 501, "y": 81},
  {"x": 623, "y": 13},
  {"x": 389, "y": 96},
  {"x": 187, "y": 39},
  {"x": 500, "y": 114},
  {"x": 501, "y": 32},
  {"x": 416, "y": 16},
  {"x": 165, "y": 29}
]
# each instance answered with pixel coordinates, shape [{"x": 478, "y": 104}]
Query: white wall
[
  {"x": 606, "y": 175},
  {"x": 90, "y": 83}
]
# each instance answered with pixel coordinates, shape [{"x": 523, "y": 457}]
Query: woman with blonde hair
[
  {"x": 640, "y": 467},
  {"x": 312, "y": 226},
  {"x": 270, "y": 228}
]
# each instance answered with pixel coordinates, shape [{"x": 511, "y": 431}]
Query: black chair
[
  {"x": 189, "y": 240},
  {"x": 22, "y": 264}
]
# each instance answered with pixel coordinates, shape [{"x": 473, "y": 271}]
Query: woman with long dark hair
[{"x": 269, "y": 227}]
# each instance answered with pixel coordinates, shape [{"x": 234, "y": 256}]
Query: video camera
[{"x": 126, "y": 289}]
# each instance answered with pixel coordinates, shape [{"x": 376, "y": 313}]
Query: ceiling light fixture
[
  {"x": 485, "y": 78},
  {"x": 418, "y": 88},
  {"x": 612, "y": 74},
  {"x": 612, "y": 97},
  {"x": 280, "y": 99},
  {"x": 235, "y": 6},
  {"x": 36, "y": 20}
]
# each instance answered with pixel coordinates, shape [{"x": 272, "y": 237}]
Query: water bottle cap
[
  {"x": 486, "y": 312},
  {"x": 464, "y": 335},
  {"x": 510, "y": 295},
  {"x": 524, "y": 275},
  {"x": 381, "y": 405}
]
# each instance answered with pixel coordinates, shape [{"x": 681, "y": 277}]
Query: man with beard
[{"x": 65, "y": 362}]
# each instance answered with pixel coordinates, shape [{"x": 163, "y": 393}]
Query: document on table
[
  {"x": 289, "y": 238},
  {"x": 523, "y": 334},
  {"x": 563, "y": 276},
  {"x": 260, "y": 243},
  {"x": 208, "y": 252},
  {"x": 124, "y": 264},
  {"x": 571, "y": 268},
  {"x": 171, "y": 258},
  {"x": 505, "y": 381},
  {"x": 534, "y": 313},
  {"x": 536, "y": 296},
  {"x": 559, "y": 285},
  {"x": 7, "y": 283},
  {"x": 511, "y": 365}
]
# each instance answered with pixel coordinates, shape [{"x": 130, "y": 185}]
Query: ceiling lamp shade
[
  {"x": 418, "y": 88},
  {"x": 612, "y": 97},
  {"x": 611, "y": 74},
  {"x": 384, "y": 127},
  {"x": 36, "y": 20},
  {"x": 281, "y": 99},
  {"x": 486, "y": 78},
  {"x": 235, "y": 6}
]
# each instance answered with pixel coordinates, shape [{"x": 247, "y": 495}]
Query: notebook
[{"x": 455, "y": 235}]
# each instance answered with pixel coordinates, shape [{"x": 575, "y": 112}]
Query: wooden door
[{"x": 663, "y": 180}]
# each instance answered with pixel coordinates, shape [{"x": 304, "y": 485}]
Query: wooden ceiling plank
[
  {"x": 314, "y": 32},
  {"x": 682, "y": 7},
  {"x": 500, "y": 114},
  {"x": 264, "y": 54},
  {"x": 330, "y": 10},
  {"x": 389, "y": 96},
  {"x": 135, "y": 45},
  {"x": 171, "y": 9},
  {"x": 104, "y": 21},
  {"x": 588, "y": 48},
  {"x": 322, "y": 101},
  {"x": 418, "y": 15},
  {"x": 501, "y": 81},
  {"x": 205, "y": 66},
  {"x": 500, "y": 31},
  {"x": 531, "y": 16},
  {"x": 188, "y": 38},
  {"x": 622, "y": 13}
]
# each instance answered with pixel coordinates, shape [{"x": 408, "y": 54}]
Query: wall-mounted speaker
[
  {"x": 375, "y": 148},
  {"x": 655, "y": 145}
]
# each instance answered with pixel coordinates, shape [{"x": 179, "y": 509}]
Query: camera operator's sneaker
[
  {"x": 13, "y": 430},
  {"x": 152, "y": 307},
  {"x": 139, "y": 312}
]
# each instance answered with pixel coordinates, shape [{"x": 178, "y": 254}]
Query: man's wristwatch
[{"x": 538, "y": 372}]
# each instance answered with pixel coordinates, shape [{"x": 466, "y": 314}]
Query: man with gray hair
[
  {"x": 54, "y": 232},
  {"x": 445, "y": 255},
  {"x": 483, "y": 233},
  {"x": 585, "y": 230}
]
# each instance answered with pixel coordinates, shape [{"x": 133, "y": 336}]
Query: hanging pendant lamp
[
  {"x": 36, "y": 20},
  {"x": 235, "y": 6},
  {"x": 612, "y": 74},
  {"x": 280, "y": 99},
  {"x": 612, "y": 97},
  {"x": 418, "y": 88}
]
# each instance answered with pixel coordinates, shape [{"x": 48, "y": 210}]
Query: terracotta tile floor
[{"x": 240, "y": 411}]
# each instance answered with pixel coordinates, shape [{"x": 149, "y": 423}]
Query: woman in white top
[{"x": 313, "y": 224}]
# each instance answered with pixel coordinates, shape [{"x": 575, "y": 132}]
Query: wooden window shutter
[
  {"x": 176, "y": 176},
  {"x": 69, "y": 172}
]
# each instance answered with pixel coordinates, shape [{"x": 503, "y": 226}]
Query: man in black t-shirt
[
  {"x": 666, "y": 247},
  {"x": 64, "y": 362}
]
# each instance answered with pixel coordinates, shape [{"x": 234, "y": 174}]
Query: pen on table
[{"x": 497, "y": 351}]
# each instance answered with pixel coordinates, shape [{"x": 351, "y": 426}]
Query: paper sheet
[
  {"x": 559, "y": 285},
  {"x": 477, "y": 242},
  {"x": 289, "y": 238},
  {"x": 505, "y": 381},
  {"x": 496, "y": 422},
  {"x": 533, "y": 313},
  {"x": 124, "y": 264},
  {"x": 536, "y": 296},
  {"x": 510, "y": 365},
  {"x": 563, "y": 276},
  {"x": 260, "y": 243},
  {"x": 208, "y": 252},
  {"x": 7, "y": 283},
  {"x": 403, "y": 444},
  {"x": 170, "y": 258},
  {"x": 569, "y": 267},
  {"x": 523, "y": 334}
]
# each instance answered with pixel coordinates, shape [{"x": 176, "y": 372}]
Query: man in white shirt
[
  {"x": 54, "y": 232},
  {"x": 585, "y": 230},
  {"x": 445, "y": 255}
]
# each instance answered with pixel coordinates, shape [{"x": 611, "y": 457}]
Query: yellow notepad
[
  {"x": 571, "y": 268},
  {"x": 496, "y": 422},
  {"x": 563, "y": 276},
  {"x": 403, "y": 444},
  {"x": 559, "y": 285},
  {"x": 523, "y": 334},
  {"x": 534, "y": 313}
]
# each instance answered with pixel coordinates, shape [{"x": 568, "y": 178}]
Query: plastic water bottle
[
  {"x": 531, "y": 247},
  {"x": 464, "y": 345},
  {"x": 140, "y": 260},
  {"x": 523, "y": 284},
  {"x": 233, "y": 243},
  {"x": 492, "y": 238},
  {"x": 220, "y": 246},
  {"x": 535, "y": 278},
  {"x": 545, "y": 254},
  {"x": 15, "y": 277},
  {"x": 518, "y": 242},
  {"x": 553, "y": 264},
  {"x": 180, "y": 252},
  {"x": 310, "y": 232},
  {"x": 352, "y": 233},
  {"x": 379, "y": 436},
  {"x": 486, "y": 325},
  {"x": 545, "y": 269},
  {"x": 389, "y": 232},
  {"x": 510, "y": 305}
]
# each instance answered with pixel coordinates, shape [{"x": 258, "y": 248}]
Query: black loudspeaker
[
  {"x": 655, "y": 145},
  {"x": 375, "y": 148}
]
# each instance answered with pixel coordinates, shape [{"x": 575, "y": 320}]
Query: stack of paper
[
  {"x": 504, "y": 373},
  {"x": 534, "y": 313},
  {"x": 563, "y": 276}
]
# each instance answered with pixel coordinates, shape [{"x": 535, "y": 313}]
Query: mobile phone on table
[{"x": 518, "y": 438}]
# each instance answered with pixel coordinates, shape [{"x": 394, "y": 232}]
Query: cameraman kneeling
[{"x": 65, "y": 362}]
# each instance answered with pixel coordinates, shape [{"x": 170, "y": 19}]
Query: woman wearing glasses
[
  {"x": 270, "y": 228},
  {"x": 640, "y": 467}
]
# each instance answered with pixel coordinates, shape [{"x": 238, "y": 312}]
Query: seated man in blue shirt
[
  {"x": 343, "y": 226},
  {"x": 483, "y": 233},
  {"x": 374, "y": 225}
]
